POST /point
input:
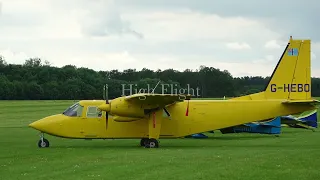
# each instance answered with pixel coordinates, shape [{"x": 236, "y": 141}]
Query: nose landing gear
[{"x": 43, "y": 143}]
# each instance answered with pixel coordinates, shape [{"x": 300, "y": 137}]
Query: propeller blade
[
  {"x": 103, "y": 93},
  {"x": 106, "y": 94},
  {"x": 106, "y": 120},
  {"x": 105, "y": 97},
  {"x": 168, "y": 114}
]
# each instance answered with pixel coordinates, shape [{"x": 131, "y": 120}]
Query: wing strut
[{"x": 187, "y": 111}]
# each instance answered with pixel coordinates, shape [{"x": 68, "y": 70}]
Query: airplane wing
[
  {"x": 290, "y": 120},
  {"x": 300, "y": 118},
  {"x": 266, "y": 124},
  {"x": 241, "y": 126},
  {"x": 158, "y": 100},
  {"x": 295, "y": 122}
]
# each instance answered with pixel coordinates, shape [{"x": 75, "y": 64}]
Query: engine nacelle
[
  {"x": 125, "y": 119},
  {"x": 121, "y": 107}
]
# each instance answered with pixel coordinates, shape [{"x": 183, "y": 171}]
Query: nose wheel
[{"x": 43, "y": 143}]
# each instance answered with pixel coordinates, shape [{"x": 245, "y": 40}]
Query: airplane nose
[
  {"x": 48, "y": 124},
  {"x": 39, "y": 125}
]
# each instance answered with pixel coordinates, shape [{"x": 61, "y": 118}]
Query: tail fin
[{"x": 291, "y": 79}]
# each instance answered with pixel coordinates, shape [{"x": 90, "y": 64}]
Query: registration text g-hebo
[{"x": 290, "y": 88}]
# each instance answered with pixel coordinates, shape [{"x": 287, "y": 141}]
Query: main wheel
[
  {"x": 43, "y": 144},
  {"x": 143, "y": 142},
  {"x": 151, "y": 143}
]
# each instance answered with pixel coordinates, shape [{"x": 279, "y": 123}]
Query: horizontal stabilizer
[{"x": 303, "y": 101}]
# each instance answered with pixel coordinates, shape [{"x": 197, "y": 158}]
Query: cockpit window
[{"x": 74, "y": 111}]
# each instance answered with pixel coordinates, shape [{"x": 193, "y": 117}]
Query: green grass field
[{"x": 293, "y": 155}]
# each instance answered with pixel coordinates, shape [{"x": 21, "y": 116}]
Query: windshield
[{"x": 75, "y": 110}]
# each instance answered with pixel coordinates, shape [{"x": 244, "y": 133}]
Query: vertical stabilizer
[{"x": 291, "y": 78}]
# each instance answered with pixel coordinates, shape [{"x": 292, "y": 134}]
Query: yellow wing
[
  {"x": 138, "y": 105},
  {"x": 158, "y": 100}
]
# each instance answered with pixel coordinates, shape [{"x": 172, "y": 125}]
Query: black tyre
[
  {"x": 143, "y": 142},
  {"x": 152, "y": 143},
  {"x": 43, "y": 144}
]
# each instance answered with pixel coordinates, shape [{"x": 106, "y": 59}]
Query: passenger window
[{"x": 93, "y": 112}]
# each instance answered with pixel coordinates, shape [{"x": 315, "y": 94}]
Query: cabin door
[{"x": 96, "y": 123}]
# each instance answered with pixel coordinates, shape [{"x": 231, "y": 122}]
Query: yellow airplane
[{"x": 150, "y": 117}]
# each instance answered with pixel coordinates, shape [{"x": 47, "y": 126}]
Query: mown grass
[{"x": 293, "y": 155}]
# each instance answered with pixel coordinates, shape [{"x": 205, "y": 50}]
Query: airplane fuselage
[{"x": 203, "y": 115}]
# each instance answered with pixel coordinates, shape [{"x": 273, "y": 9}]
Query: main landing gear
[
  {"x": 149, "y": 143},
  {"x": 43, "y": 143}
]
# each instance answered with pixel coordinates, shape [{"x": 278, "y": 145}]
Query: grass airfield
[{"x": 293, "y": 155}]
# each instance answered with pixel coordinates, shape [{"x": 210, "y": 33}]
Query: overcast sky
[{"x": 244, "y": 37}]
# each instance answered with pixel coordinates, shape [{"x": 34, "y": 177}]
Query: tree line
[{"x": 37, "y": 80}]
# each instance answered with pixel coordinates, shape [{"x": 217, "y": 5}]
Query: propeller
[
  {"x": 167, "y": 113},
  {"x": 105, "y": 97}
]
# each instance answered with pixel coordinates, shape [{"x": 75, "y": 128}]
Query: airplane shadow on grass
[
  {"x": 173, "y": 143},
  {"x": 175, "y": 146},
  {"x": 241, "y": 137}
]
